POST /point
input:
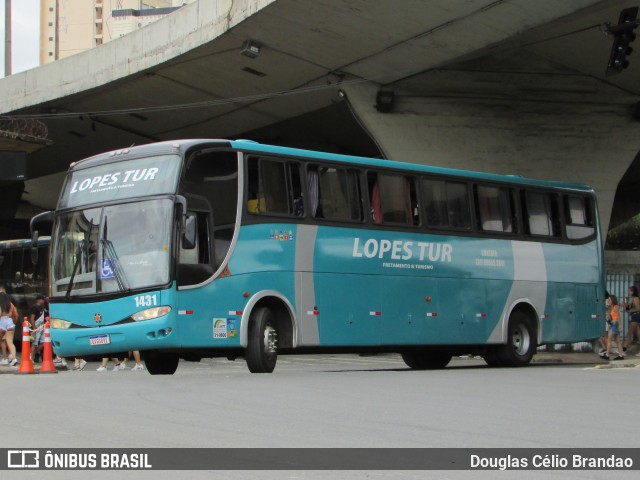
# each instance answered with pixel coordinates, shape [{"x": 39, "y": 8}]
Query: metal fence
[{"x": 618, "y": 284}]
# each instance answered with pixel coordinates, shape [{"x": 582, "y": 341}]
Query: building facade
[{"x": 68, "y": 27}]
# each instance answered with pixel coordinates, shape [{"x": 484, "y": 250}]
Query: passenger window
[
  {"x": 5, "y": 269},
  {"x": 540, "y": 214},
  {"x": 579, "y": 217},
  {"x": 446, "y": 204},
  {"x": 274, "y": 187},
  {"x": 496, "y": 212},
  {"x": 393, "y": 199},
  {"x": 334, "y": 193}
]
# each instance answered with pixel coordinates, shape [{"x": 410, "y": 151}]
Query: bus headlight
[
  {"x": 59, "y": 324},
  {"x": 150, "y": 313}
]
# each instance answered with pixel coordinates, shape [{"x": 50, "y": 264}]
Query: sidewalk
[{"x": 588, "y": 358}]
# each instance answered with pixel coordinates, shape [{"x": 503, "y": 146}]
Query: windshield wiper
[
  {"x": 109, "y": 249},
  {"x": 76, "y": 264}
]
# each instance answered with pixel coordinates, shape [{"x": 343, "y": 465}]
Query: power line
[{"x": 183, "y": 106}]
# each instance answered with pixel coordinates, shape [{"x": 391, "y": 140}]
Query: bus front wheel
[
  {"x": 262, "y": 349},
  {"x": 426, "y": 360},
  {"x": 161, "y": 363}
]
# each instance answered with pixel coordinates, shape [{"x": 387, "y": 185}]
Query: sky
[{"x": 25, "y": 34}]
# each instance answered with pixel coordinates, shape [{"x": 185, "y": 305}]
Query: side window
[
  {"x": 195, "y": 265},
  {"x": 43, "y": 265},
  {"x": 446, "y": 204},
  {"x": 579, "y": 217},
  {"x": 28, "y": 269},
  {"x": 334, "y": 193},
  {"x": 17, "y": 265},
  {"x": 274, "y": 187},
  {"x": 393, "y": 199},
  {"x": 496, "y": 212},
  {"x": 540, "y": 214},
  {"x": 5, "y": 269}
]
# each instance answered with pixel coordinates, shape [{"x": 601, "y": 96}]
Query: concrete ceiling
[{"x": 309, "y": 48}]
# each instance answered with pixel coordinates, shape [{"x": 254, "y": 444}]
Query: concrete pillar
[{"x": 496, "y": 116}]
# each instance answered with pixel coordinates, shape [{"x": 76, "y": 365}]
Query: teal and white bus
[{"x": 203, "y": 248}]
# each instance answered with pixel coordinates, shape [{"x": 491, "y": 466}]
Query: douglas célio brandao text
[{"x": 550, "y": 461}]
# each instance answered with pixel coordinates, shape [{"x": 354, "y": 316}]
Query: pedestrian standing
[
  {"x": 614, "y": 330},
  {"x": 632, "y": 306},
  {"x": 7, "y": 329}
]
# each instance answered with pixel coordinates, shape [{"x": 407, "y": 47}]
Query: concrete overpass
[{"x": 509, "y": 86}]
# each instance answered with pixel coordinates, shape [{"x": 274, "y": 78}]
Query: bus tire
[
  {"x": 426, "y": 360},
  {"x": 262, "y": 349},
  {"x": 161, "y": 363},
  {"x": 521, "y": 342}
]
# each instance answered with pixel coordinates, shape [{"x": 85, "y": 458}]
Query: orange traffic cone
[
  {"x": 47, "y": 353},
  {"x": 26, "y": 365}
]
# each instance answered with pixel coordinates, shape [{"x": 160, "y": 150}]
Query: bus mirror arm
[
  {"x": 187, "y": 225},
  {"x": 44, "y": 217},
  {"x": 183, "y": 203}
]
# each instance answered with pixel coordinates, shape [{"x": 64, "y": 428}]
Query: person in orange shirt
[{"x": 614, "y": 329}]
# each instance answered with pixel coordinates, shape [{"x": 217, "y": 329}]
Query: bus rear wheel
[
  {"x": 521, "y": 343},
  {"x": 426, "y": 360},
  {"x": 161, "y": 363},
  {"x": 262, "y": 349}
]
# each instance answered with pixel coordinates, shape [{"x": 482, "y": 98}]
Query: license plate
[{"x": 99, "y": 340}]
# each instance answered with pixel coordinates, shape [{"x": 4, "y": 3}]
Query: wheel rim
[
  {"x": 270, "y": 340},
  {"x": 521, "y": 340}
]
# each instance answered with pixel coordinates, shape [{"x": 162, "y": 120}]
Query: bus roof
[{"x": 251, "y": 146}]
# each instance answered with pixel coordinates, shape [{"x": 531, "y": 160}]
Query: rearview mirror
[
  {"x": 188, "y": 225},
  {"x": 34, "y": 247},
  {"x": 189, "y": 234}
]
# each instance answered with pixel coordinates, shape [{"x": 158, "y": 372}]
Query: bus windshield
[{"x": 114, "y": 248}]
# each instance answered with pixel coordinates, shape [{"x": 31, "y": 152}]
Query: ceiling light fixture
[{"x": 251, "y": 49}]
